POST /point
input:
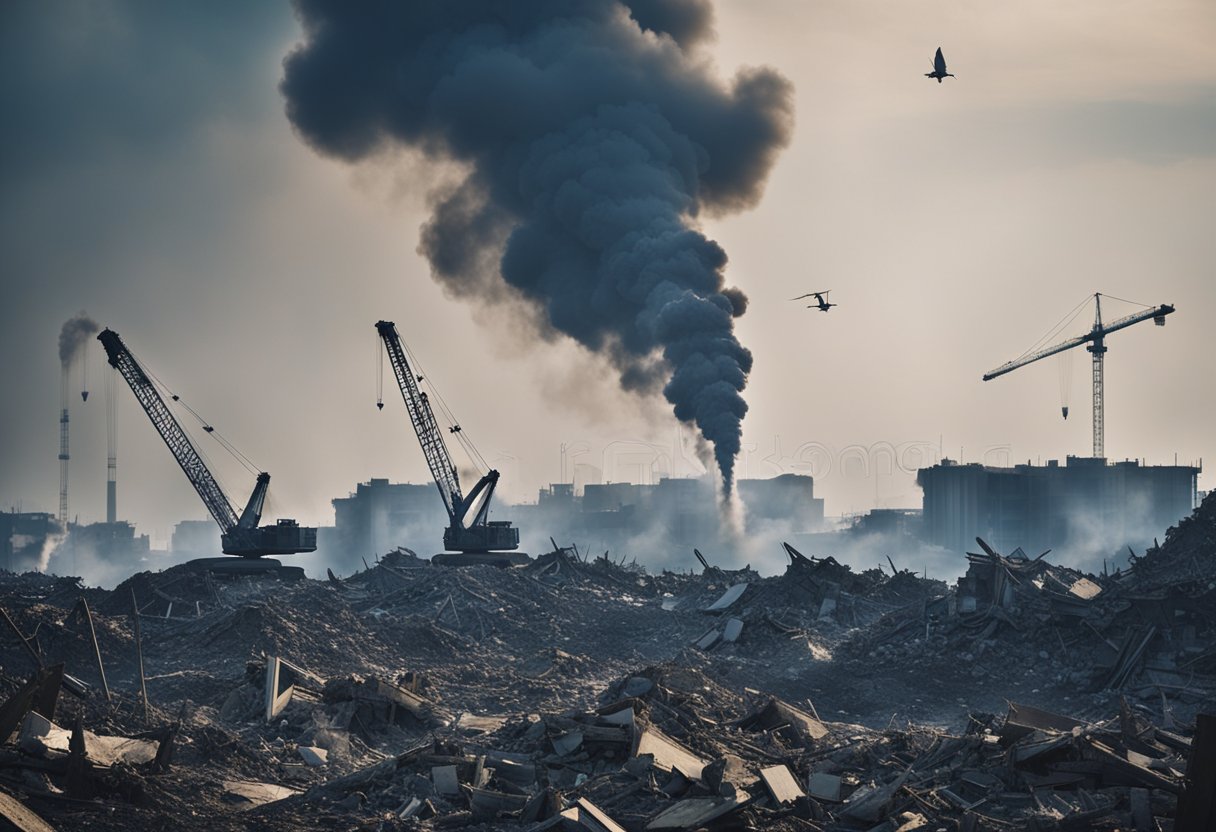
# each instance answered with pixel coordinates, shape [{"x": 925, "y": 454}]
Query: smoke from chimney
[
  {"x": 594, "y": 134},
  {"x": 74, "y": 335}
]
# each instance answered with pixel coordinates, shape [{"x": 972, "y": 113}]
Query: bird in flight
[
  {"x": 821, "y": 300},
  {"x": 939, "y": 67}
]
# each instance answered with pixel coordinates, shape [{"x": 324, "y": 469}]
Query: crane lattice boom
[
  {"x": 162, "y": 419},
  {"x": 423, "y": 418}
]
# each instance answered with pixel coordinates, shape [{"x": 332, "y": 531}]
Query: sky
[{"x": 150, "y": 177}]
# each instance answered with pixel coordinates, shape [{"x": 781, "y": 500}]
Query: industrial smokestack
[
  {"x": 63, "y": 447},
  {"x": 72, "y": 338},
  {"x": 594, "y": 135}
]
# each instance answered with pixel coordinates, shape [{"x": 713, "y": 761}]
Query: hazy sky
[{"x": 151, "y": 178}]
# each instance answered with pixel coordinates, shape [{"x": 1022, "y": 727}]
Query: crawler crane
[
  {"x": 239, "y": 535},
  {"x": 471, "y": 537}
]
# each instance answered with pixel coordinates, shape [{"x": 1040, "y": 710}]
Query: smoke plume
[
  {"x": 76, "y": 330},
  {"x": 592, "y": 134}
]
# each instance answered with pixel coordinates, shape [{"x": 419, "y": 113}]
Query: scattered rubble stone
[{"x": 584, "y": 693}]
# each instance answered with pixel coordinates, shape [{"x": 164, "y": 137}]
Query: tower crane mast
[
  {"x": 1096, "y": 339},
  {"x": 239, "y": 535},
  {"x": 469, "y": 531}
]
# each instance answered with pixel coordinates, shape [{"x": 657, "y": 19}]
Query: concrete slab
[
  {"x": 313, "y": 756},
  {"x": 781, "y": 784},
  {"x": 669, "y": 754},
  {"x": 568, "y": 743},
  {"x": 825, "y": 787},
  {"x": 253, "y": 794},
  {"x": 41, "y": 737},
  {"x": 445, "y": 780},
  {"x": 693, "y": 813},
  {"x": 729, "y": 597}
]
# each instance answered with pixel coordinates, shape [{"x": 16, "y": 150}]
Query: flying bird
[
  {"x": 821, "y": 300},
  {"x": 939, "y": 67}
]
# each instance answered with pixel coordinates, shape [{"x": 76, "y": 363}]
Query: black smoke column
[{"x": 594, "y": 133}]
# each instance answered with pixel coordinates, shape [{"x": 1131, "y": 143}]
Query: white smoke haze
[
  {"x": 1093, "y": 543},
  {"x": 19, "y": 542}
]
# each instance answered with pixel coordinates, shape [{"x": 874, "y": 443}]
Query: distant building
[
  {"x": 195, "y": 539},
  {"x": 788, "y": 498},
  {"x": 898, "y": 522},
  {"x": 1084, "y": 505},
  {"x": 26, "y": 539},
  {"x": 672, "y": 514},
  {"x": 380, "y": 516}
]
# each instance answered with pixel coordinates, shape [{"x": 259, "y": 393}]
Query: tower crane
[
  {"x": 1096, "y": 339},
  {"x": 239, "y": 535},
  {"x": 470, "y": 532}
]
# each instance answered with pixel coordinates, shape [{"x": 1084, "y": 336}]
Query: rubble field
[{"x": 583, "y": 693}]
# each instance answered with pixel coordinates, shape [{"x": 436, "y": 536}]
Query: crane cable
[
  {"x": 1064, "y": 363},
  {"x": 454, "y": 428},
  {"x": 207, "y": 427},
  {"x": 379, "y": 372},
  {"x": 1068, "y": 318},
  {"x": 1132, "y": 302}
]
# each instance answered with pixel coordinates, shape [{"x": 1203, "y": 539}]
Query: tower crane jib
[{"x": 1095, "y": 344}]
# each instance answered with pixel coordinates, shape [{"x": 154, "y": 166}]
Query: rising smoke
[
  {"x": 593, "y": 135},
  {"x": 76, "y": 331}
]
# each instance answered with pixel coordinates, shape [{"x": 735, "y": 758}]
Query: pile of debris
[
  {"x": 669, "y": 749},
  {"x": 1188, "y": 555},
  {"x": 414, "y": 696},
  {"x": 1058, "y": 631}
]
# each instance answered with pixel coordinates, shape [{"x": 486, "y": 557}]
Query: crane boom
[
  {"x": 423, "y": 418},
  {"x": 179, "y": 443},
  {"x": 469, "y": 528},
  {"x": 1096, "y": 338},
  {"x": 1102, "y": 332},
  {"x": 238, "y": 535}
]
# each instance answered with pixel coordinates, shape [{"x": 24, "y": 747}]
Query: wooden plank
[
  {"x": 22, "y": 818},
  {"x": 139, "y": 654},
  {"x": 593, "y": 817}
]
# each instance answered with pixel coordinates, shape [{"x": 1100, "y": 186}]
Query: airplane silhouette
[
  {"x": 821, "y": 300},
  {"x": 939, "y": 67}
]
